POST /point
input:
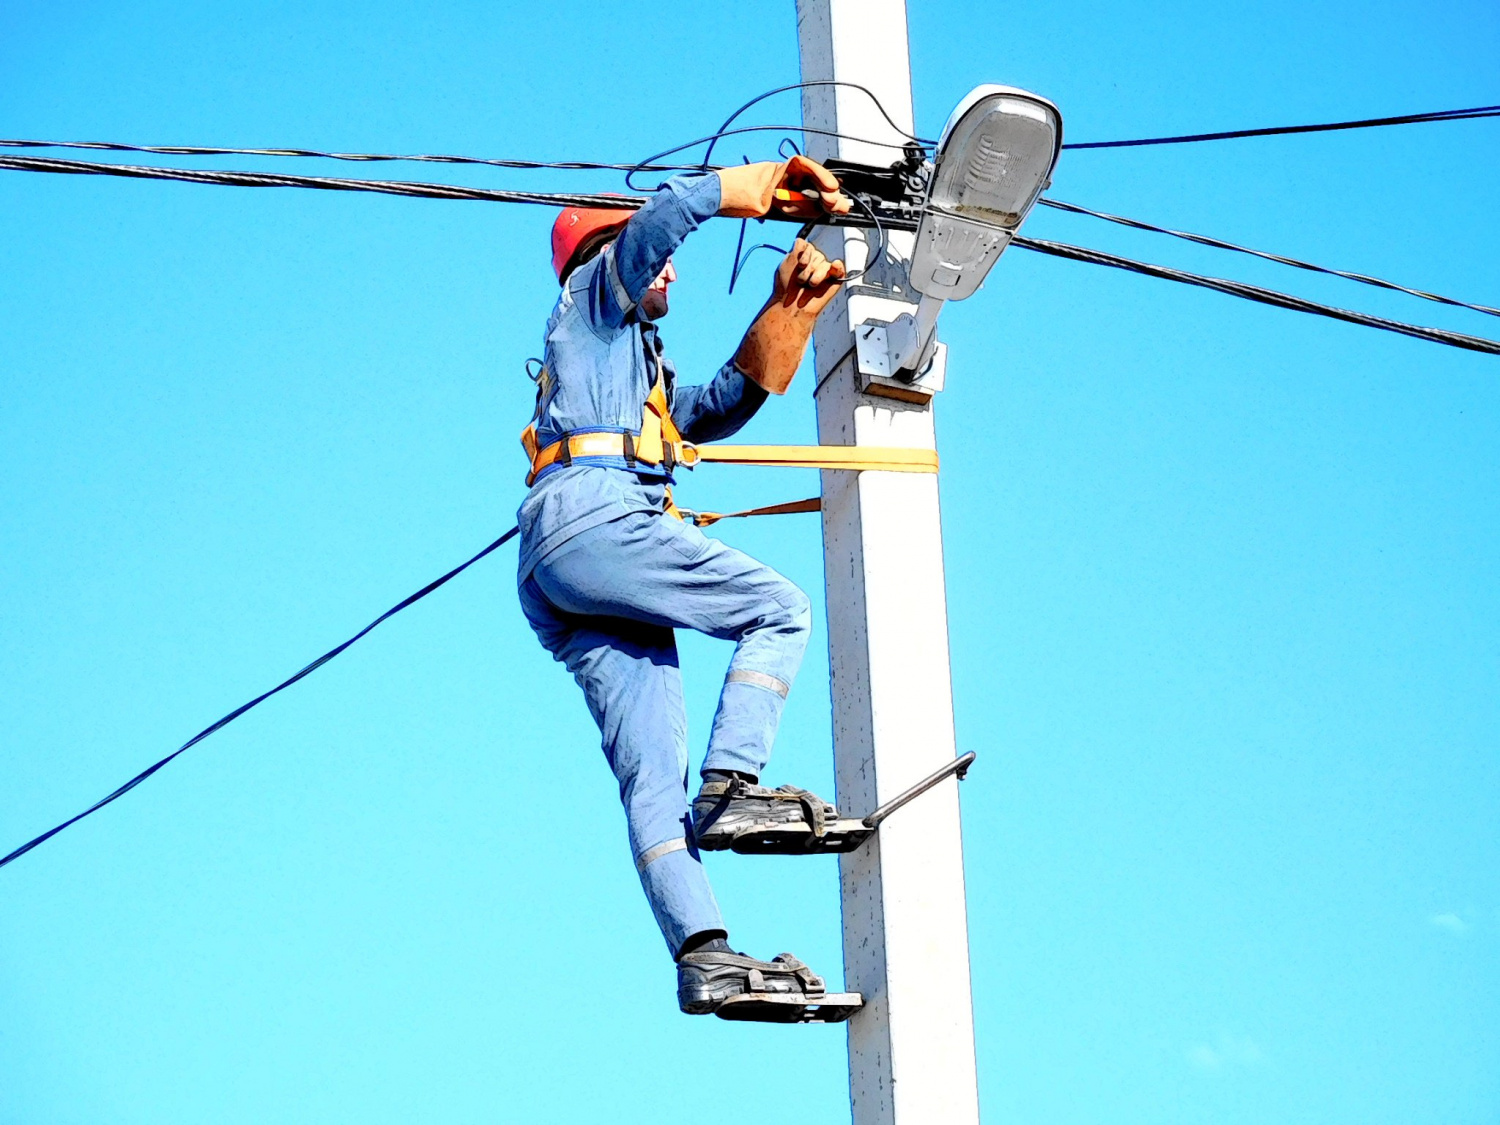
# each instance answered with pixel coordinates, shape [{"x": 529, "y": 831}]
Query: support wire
[
  {"x": 1257, "y": 293},
  {"x": 1218, "y": 244},
  {"x": 1286, "y": 130},
  {"x": 259, "y": 699}
]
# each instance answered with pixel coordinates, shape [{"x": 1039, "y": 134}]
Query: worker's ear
[{"x": 589, "y": 250}]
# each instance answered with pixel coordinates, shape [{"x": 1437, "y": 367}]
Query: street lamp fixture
[{"x": 995, "y": 157}]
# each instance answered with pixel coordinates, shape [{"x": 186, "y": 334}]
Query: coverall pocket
[{"x": 688, "y": 541}]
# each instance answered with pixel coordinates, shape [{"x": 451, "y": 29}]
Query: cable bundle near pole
[{"x": 424, "y": 190}]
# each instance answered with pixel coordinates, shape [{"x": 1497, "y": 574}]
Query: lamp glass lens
[{"x": 996, "y": 161}]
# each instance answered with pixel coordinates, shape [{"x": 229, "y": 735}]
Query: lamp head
[{"x": 996, "y": 155}]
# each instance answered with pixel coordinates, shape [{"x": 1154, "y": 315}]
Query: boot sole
[
  {"x": 760, "y": 1007},
  {"x": 718, "y": 839},
  {"x": 702, "y": 1000}
]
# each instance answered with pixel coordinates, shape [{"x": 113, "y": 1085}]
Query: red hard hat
[{"x": 575, "y": 226}]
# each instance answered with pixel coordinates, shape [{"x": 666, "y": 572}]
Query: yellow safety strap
[
  {"x": 851, "y": 457},
  {"x": 854, "y": 457},
  {"x": 660, "y": 437}
]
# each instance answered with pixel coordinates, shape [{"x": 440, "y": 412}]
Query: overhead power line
[
  {"x": 430, "y": 158},
  {"x": 647, "y": 165},
  {"x": 1219, "y": 244},
  {"x": 451, "y": 191},
  {"x": 724, "y": 131},
  {"x": 568, "y": 199},
  {"x": 365, "y": 157},
  {"x": 326, "y": 183},
  {"x": 1257, "y": 293},
  {"x": 259, "y": 699},
  {"x": 1285, "y": 130}
]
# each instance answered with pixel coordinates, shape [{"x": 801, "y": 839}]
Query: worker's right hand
[{"x": 796, "y": 189}]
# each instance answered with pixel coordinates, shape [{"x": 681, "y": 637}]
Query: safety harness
[{"x": 660, "y": 445}]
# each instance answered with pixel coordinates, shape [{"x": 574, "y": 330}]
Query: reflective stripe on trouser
[{"x": 605, "y": 604}]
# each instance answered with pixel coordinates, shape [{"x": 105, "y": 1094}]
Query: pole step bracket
[
  {"x": 844, "y": 834},
  {"x": 770, "y": 1007}
]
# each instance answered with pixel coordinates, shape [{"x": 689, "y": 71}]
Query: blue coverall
[{"x": 606, "y": 575}]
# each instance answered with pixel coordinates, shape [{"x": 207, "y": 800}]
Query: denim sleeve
[
  {"x": 630, "y": 264},
  {"x": 719, "y": 407}
]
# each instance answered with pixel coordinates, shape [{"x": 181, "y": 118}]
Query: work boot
[
  {"x": 728, "y": 805},
  {"x": 707, "y": 978}
]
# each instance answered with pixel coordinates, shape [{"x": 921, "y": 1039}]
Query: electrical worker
[{"x": 608, "y": 568}]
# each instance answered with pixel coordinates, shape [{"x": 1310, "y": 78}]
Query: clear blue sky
[{"x": 1225, "y": 584}]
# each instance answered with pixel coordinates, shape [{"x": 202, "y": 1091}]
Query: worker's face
[{"x": 654, "y": 302}]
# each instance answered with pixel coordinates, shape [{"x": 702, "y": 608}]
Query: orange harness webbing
[{"x": 706, "y": 519}]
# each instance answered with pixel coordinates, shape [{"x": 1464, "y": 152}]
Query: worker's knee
[
  {"x": 801, "y": 609},
  {"x": 793, "y": 617}
]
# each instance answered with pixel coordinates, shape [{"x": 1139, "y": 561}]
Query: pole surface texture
[{"x": 906, "y": 946}]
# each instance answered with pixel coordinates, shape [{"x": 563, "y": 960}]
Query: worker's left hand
[
  {"x": 797, "y": 189},
  {"x": 806, "y": 280}
]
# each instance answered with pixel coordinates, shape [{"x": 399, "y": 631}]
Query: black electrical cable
[
  {"x": 725, "y": 131},
  {"x": 1285, "y": 130},
  {"x": 741, "y": 255},
  {"x": 259, "y": 699},
  {"x": 705, "y": 167},
  {"x": 328, "y": 183},
  {"x": 741, "y": 259},
  {"x": 1257, "y": 293},
  {"x": 559, "y": 199},
  {"x": 447, "y": 191},
  {"x": 872, "y": 254},
  {"x": 367, "y": 157},
  {"x": 189, "y": 150},
  {"x": 434, "y": 158},
  {"x": 713, "y": 138},
  {"x": 728, "y": 121},
  {"x": 1219, "y": 244}
]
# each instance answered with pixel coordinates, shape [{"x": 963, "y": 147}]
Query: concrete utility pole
[{"x": 906, "y": 945}]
